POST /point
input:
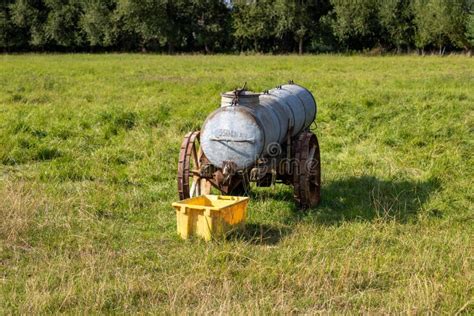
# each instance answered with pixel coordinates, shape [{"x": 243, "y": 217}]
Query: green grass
[{"x": 89, "y": 146}]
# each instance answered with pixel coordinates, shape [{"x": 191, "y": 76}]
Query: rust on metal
[{"x": 255, "y": 137}]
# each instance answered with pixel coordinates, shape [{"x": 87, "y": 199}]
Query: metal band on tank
[
  {"x": 312, "y": 96},
  {"x": 284, "y": 104},
  {"x": 288, "y": 106},
  {"x": 291, "y": 107},
  {"x": 268, "y": 105},
  {"x": 304, "y": 108}
]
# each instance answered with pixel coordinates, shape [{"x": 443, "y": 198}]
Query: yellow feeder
[{"x": 210, "y": 216}]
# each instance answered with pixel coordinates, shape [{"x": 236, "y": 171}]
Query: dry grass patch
[
  {"x": 21, "y": 202},
  {"x": 88, "y": 173}
]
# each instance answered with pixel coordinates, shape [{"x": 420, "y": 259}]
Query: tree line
[{"x": 213, "y": 26}]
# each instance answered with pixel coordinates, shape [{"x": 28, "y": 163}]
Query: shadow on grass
[
  {"x": 368, "y": 198},
  {"x": 361, "y": 199},
  {"x": 261, "y": 234}
]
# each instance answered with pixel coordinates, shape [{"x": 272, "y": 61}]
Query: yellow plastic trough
[{"x": 210, "y": 216}]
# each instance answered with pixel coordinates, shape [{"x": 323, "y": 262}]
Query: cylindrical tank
[{"x": 248, "y": 125}]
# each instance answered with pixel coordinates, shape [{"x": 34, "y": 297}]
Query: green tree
[
  {"x": 259, "y": 25},
  {"x": 299, "y": 19},
  {"x": 62, "y": 25},
  {"x": 396, "y": 22},
  {"x": 355, "y": 23},
  {"x": 470, "y": 30},
  {"x": 440, "y": 22},
  {"x": 157, "y": 22},
  {"x": 97, "y": 22},
  {"x": 253, "y": 23},
  {"x": 211, "y": 23},
  {"x": 29, "y": 18},
  {"x": 144, "y": 18},
  {"x": 8, "y": 35}
]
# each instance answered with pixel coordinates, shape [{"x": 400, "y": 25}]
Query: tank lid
[{"x": 239, "y": 97}]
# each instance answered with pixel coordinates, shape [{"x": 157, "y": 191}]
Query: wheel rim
[
  {"x": 191, "y": 157},
  {"x": 307, "y": 176}
]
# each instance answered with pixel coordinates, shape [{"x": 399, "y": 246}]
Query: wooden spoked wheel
[
  {"x": 191, "y": 158},
  {"x": 307, "y": 173}
]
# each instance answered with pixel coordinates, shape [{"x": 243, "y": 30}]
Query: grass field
[{"x": 89, "y": 146}]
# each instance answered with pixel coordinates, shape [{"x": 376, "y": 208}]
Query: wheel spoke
[
  {"x": 195, "y": 156},
  {"x": 190, "y": 183},
  {"x": 311, "y": 153},
  {"x": 205, "y": 187},
  {"x": 192, "y": 191},
  {"x": 198, "y": 186}
]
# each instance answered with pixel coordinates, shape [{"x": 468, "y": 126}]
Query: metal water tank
[{"x": 249, "y": 125}]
